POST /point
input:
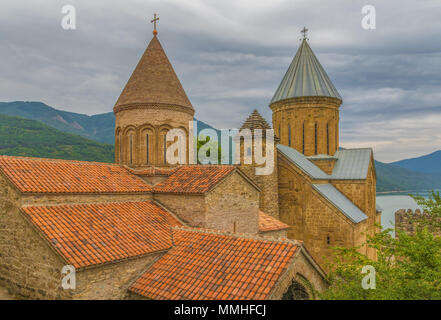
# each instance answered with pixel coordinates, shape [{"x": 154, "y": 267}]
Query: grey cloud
[{"x": 231, "y": 56}]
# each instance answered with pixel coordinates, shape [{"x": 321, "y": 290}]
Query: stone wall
[
  {"x": 132, "y": 127},
  {"x": 276, "y": 234},
  {"x": 28, "y": 266},
  {"x": 407, "y": 220},
  {"x": 233, "y": 205},
  {"x": 191, "y": 209},
  {"x": 299, "y": 116},
  {"x": 327, "y": 165},
  {"x": 111, "y": 281}
]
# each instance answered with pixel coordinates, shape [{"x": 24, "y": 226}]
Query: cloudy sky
[{"x": 231, "y": 55}]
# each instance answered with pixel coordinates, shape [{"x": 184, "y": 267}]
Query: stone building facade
[{"x": 123, "y": 226}]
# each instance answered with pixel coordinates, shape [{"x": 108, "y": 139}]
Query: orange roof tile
[
  {"x": 36, "y": 175},
  {"x": 268, "y": 223},
  {"x": 209, "y": 265},
  {"x": 90, "y": 234},
  {"x": 194, "y": 179}
]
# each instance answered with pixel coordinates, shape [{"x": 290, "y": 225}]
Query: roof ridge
[
  {"x": 249, "y": 236},
  {"x": 59, "y": 160}
]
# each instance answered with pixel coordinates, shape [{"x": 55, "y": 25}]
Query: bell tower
[
  {"x": 306, "y": 106},
  {"x": 152, "y": 103}
]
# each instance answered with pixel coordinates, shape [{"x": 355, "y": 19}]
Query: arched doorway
[{"x": 296, "y": 291}]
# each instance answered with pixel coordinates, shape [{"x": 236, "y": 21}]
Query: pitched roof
[
  {"x": 91, "y": 234},
  {"x": 302, "y": 162},
  {"x": 346, "y": 206},
  {"x": 154, "y": 81},
  {"x": 36, "y": 175},
  {"x": 352, "y": 163},
  {"x": 268, "y": 223},
  {"x": 305, "y": 78},
  {"x": 255, "y": 121},
  {"x": 209, "y": 265},
  {"x": 194, "y": 179}
]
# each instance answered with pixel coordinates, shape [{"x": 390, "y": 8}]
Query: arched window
[
  {"x": 131, "y": 148},
  {"x": 165, "y": 148},
  {"x": 279, "y": 133},
  {"x": 296, "y": 291},
  {"x": 289, "y": 135},
  {"x": 315, "y": 138},
  {"x": 303, "y": 138},
  {"x": 327, "y": 138},
  {"x": 147, "y": 148}
]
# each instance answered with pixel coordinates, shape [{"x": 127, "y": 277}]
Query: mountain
[
  {"x": 430, "y": 163},
  {"x": 391, "y": 177},
  {"x": 99, "y": 127},
  {"x": 36, "y": 139},
  {"x": 23, "y": 137}
]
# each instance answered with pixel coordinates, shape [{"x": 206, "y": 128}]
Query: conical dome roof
[
  {"x": 305, "y": 78},
  {"x": 153, "y": 82}
]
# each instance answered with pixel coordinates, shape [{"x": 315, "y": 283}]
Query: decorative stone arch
[
  {"x": 129, "y": 145},
  {"x": 299, "y": 289},
  {"x": 161, "y": 144},
  {"x": 118, "y": 145},
  {"x": 147, "y": 144}
]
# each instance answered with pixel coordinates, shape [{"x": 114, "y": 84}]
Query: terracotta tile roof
[
  {"x": 268, "y": 223},
  {"x": 209, "y": 265},
  {"x": 36, "y": 175},
  {"x": 153, "y": 171},
  {"x": 194, "y": 179},
  {"x": 91, "y": 234}
]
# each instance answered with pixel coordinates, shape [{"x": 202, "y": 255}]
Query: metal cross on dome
[
  {"x": 155, "y": 32},
  {"x": 304, "y": 32}
]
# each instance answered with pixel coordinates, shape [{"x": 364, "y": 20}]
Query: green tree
[{"x": 407, "y": 266}]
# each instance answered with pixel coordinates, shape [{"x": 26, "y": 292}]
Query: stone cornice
[
  {"x": 162, "y": 106},
  {"x": 306, "y": 102}
]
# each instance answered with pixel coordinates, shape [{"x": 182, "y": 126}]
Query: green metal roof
[
  {"x": 305, "y": 78},
  {"x": 340, "y": 201}
]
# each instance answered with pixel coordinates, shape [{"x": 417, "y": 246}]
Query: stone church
[{"x": 141, "y": 228}]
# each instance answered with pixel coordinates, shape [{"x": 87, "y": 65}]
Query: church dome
[
  {"x": 154, "y": 83},
  {"x": 305, "y": 78}
]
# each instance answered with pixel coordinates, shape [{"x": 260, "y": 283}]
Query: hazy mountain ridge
[
  {"x": 100, "y": 127},
  {"x": 30, "y": 138},
  {"x": 430, "y": 163},
  {"x": 406, "y": 175}
]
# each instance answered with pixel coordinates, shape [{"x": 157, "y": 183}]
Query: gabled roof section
[
  {"x": 346, "y": 206},
  {"x": 255, "y": 121},
  {"x": 154, "y": 81},
  {"x": 268, "y": 223},
  {"x": 352, "y": 164},
  {"x": 92, "y": 234},
  {"x": 37, "y": 175},
  {"x": 302, "y": 162},
  {"x": 194, "y": 179},
  {"x": 205, "y": 265},
  {"x": 305, "y": 78}
]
